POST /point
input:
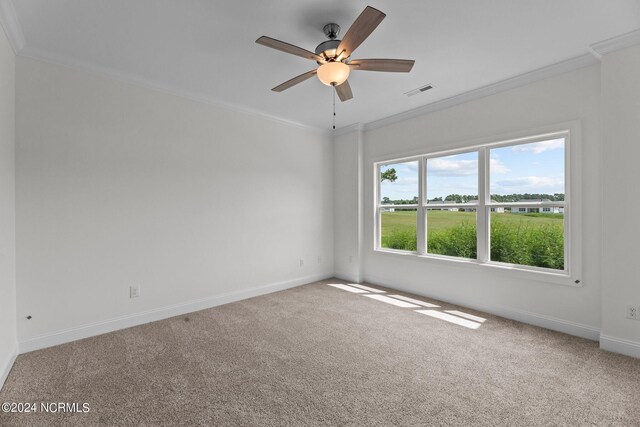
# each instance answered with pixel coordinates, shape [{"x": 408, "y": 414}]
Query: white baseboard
[
  {"x": 547, "y": 322},
  {"x": 619, "y": 345},
  {"x": 135, "y": 319},
  {"x": 4, "y": 370}
]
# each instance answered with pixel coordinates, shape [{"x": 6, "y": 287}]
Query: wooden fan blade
[
  {"x": 294, "y": 81},
  {"x": 388, "y": 65},
  {"x": 344, "y": 91},
  {"x": 363, "y": 26},
  {"x": 288, "y": 48}
]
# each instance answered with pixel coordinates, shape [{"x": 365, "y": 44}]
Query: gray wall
[
  {"x": 621, "y": 176},
  {"x": 8, "y": 343},
  {"x": 118, "y": 185}
]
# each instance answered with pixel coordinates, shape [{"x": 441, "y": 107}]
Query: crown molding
[
  {"x": 69, "y": 62},
  {"x": 504, "y": 85},
  {"x": 11, "y": 25},
  {"x": 616, "y": 43},
  {"x": 501, "y": 86}
]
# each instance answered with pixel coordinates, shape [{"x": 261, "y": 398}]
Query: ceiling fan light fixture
[
  {"x": 329, "y": 53},
  {"x": 333, "y": 73},
  {"x": 333, "y": 56}
]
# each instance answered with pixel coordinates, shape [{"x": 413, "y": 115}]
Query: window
[
  {"x": 499, "y": 204},
  {"x": 452, "y": 190},
  {"x": 530, "y": 174},
  {"x": 399, "y": 205}
]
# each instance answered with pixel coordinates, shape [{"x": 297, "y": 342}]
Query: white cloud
[
  {"x": 540, "y": 147},
  {"x": 531, "y": 181},
  {"x": 412, "y": 166},
  {"x": 403, "y": 188},
  {"x": 498, "y": 167},
  {"x": 447, "y": 167},
  {"x": 408, "y": 167},
  {"x": 403, "y": 181}
]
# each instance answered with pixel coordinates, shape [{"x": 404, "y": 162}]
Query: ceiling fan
[{"x": 334, "y": 56}]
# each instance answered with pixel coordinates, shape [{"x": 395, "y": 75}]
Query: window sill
[{"x": 559, "y": 278}]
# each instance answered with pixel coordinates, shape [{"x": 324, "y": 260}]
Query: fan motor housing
[{"x": 329, "y": 45}]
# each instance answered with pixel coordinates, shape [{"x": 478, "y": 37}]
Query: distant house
[
  {"x": 437, "y": 205},
  {"x": 542, "y": 209},
  {"x": 468, "y": 206}
]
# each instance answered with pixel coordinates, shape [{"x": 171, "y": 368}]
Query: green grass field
[
  {"x": 439, "y": 220},
  {"x": 527, "y": 239}
]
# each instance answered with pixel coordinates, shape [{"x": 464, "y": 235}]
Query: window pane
[
  {"x": 398, "y": 229},
  {"x": 527, "y": 236},
  {"x": 399, "y": 183},
  {"x": 453, "y": 178},
  {"x": 452, "y": 232},
  {"x": 528, "y": 172}
]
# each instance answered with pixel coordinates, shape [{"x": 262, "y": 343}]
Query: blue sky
[{"x": 527, "y": 168}]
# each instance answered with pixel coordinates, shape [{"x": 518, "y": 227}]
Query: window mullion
[
  {"x": 482, "y": 219},
  {"x": 377, "y": 241},
  {"x": 421, "y": 226}
]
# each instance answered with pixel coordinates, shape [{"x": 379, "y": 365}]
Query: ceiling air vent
[{"x": 419, "y": 90}]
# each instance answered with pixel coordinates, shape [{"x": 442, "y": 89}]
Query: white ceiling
[{"x": 206, "y": 47}]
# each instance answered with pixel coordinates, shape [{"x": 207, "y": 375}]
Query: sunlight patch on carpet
[
  {"x": 367, "y": 288},
  {"x": 450, "y": 318},
  {"x": 466, "y": 315},
  {"x": 414, "y": 301},
  {"x": 348, "y": 288},
  {"x": 392, "y": 301}
]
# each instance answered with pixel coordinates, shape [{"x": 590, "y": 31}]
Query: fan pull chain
[{"x": 334, "y": 108}]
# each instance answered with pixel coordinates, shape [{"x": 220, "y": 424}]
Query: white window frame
[{"x": 572, "y": 218}]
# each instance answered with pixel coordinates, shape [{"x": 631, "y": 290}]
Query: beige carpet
[{"x": 320, "y": 355}]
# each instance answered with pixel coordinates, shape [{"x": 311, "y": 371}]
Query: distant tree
[
  {"x": 458, "y": 198},
  {"x": 389, "y": 175},
  {"x": 510, "y": 198}
]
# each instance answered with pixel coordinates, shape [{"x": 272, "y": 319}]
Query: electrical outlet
[
  {"x": 134, "y": 291},
  {"x": 632, "y": 312},
  {"x": 301, "y": 262}
]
